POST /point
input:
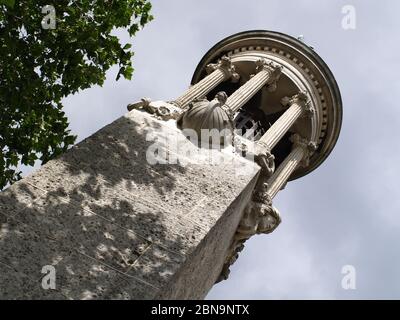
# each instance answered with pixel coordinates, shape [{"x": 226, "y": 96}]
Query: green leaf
[
  {"x": 39, "y": 68},
  {"x": 8, "y": 3}
]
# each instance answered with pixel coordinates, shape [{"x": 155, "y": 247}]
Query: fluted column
[
  {"x": 300, "y": 154},
  {"x": 267, "y": 74},
  {"x": 219, "y": 72},
  {"x": 298, "y": 104}
]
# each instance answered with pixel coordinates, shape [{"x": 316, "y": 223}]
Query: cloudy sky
[{"x": 347, "y": 212}]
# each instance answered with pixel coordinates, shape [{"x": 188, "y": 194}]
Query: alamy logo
[
  {"x": 49, "y": 280},
  {"x": 349, "y": 21},
  {"x": 49, "y": 20},
  {"x": 349, "y": 278}
]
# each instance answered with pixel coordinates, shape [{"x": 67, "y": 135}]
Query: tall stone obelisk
[{"x": 139, "y": 210}]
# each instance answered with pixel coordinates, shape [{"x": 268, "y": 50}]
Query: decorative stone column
[
  {"x": 219, "y": 72},
  {"x": 260, "y": 216},
  {"x": 298, "y": 105},
  {"x": 300, "y": 155},
  {"x": 268, "y": 73}
]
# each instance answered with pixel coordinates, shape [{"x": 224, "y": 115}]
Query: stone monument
[{"x": 133, "y": 213}]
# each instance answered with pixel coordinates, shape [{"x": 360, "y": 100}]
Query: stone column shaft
[
  {"x": 282, "y": 174},
  {"x": 201, "y": 88},
  {"x": 221, "y": 71},
  {"x": 268, "y": 74},
  {"x": 283, "y": 124},
  {"x": 299, "y": 156}
]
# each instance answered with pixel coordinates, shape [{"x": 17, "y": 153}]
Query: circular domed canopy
[{"x": 304, "y": 70}]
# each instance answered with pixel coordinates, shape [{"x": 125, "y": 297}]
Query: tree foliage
[{"x": 39, "y": 67}]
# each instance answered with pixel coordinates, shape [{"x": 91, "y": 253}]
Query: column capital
[
  {"x": 274, "y": 70},
  {"x": 308, "y": 147},
  {"x": 224, "y": 64},
  {"x": 301, "y": 99}
]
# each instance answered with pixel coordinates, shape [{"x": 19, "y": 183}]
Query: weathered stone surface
[
  {"x": 18, "y": 197},
  {"x": 192, "y": 282},
  {"x": 115, "y": 226},
  {"x": 18, "y": 286}
]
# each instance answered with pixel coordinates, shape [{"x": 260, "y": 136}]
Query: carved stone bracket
[
  {"x": 160, "y": 109},
  {"x": 224, "y": 64},
  {"x": 259, "y": 215}
]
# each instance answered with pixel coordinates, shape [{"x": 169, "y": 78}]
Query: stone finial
[{"x": 225, "y": 64}]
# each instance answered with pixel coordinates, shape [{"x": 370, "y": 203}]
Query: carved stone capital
[
  {"x": 159, "y": 109},
  {"x": 308, "y": 147},
  {"x": 299, "y": 141},
  {"x": 301, "y": 98},
  {"x": 273, "y": 69},
  {"x": 258, "y": 218},
  {"x": 224, "y": 64}
]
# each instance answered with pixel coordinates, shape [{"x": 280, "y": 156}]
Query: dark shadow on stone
[{"x": 91, "y": 222}]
